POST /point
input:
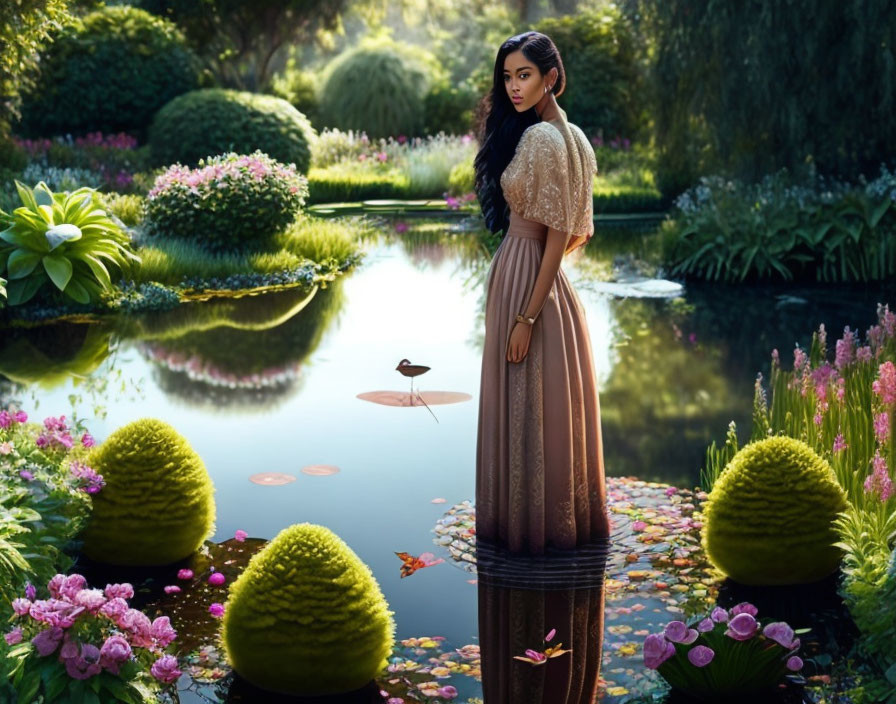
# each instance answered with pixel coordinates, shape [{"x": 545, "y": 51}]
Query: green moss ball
[
  {"x": 769, "y": 517},
  {"x": 158, "y": 503},
  {"x": 307, "y": 616}
]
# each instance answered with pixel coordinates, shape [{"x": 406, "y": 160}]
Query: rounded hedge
[
  {"x": 110, "y": 71},
  {"x": 375, "y": 89},
  {"x": 211, "y": 121},
  {"x": 158, "y": 503},
  {"x": 769, "y": 517},
  {"x": 232, "y": 202},
  {"x": 307, "y": 617}
]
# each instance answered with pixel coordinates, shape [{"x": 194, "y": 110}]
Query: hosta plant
[
  {"x": 60, "y": 240},
  {"x": 81, "y": 644},
  {"x": 728, "y": 653}
]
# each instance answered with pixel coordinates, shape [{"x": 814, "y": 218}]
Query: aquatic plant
[
  {"x": 83, "y": 641},
  {"x": 157, "y": 506},
  {"x": 61, "y": 238},
  {"x": 232, "y": 202},
  {"x": 770, "y": 487},
  {"x": 728, "y": 653},
  {"x": 238, "y": 121},
  {"x": 307, "y": 616}
]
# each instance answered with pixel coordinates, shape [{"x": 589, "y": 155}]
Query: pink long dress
[{"x": 539, "y": 455}]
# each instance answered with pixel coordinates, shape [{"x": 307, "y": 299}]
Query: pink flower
[
  {"x": 678, "y": 632},
  {"x": 30, "y": 591},
  {"x": 845, "y": 349},
  {"x": 240, "y": 536},
  {"x": 742, "y": 627},
  {"x": 448, "y": 692},
  {"x": 638, "y": 526},
  {"x": 799, "y": 359},
  {"x": 139, "y": 626},
  {"x": 185, "y": 574},
  {"x": 71, "y": 585},
  {"x": 535, "y": 655},
  {"x": 90, "y": 599},
  {"x": 216, "y": 610},
  {"x": 879, "y": 480},
  {"x": 657, "y": 650},
  {"x": 87, "y": 440},
  {"x": 719, "y": 615},
  {"x": 839, "y": 443},
  {"x": 705, "y": 625},
  {"x": 700, "y": 655},
  {"x": 744, "y": 607},
  {"x": 885, "y": 385},
  {"x": 216, "y": 579},
  {"x": 162, "y": 631},
  {"x": 165, "y": 669},
  {"x": 115, "y": 651},
  {"x": 86, "y": 664},
  {"x": 55, "y": 584},
  {"x": 5, "y": 419},
  {"x": 6, "y": 448},
  {"x": 20, "y": 416},
  {"x": 172, "y": 589},
  {"x": 882, "y": 426},
  {"x": 26, "y": 475},
  {"x": 550, "y": 635},
  {"x": 21, "y": 606},
  {"x": 123, "y": 591},
  {"x": 14, "y": 636},
  {"x": 863, "y": 354},
  {"x": 114, "y": 608}
]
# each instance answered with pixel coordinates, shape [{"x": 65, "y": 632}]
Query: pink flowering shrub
[
  {"x": 80, "y": 634},
  {"x": 47, "y": 487},
  {"x": 728, "y": 652},
  {"x": 231, "y": 202}
]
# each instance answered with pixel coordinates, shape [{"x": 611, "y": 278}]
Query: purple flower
[
  {"x": 701, "y": 656},
  {"x": 21, "y": 606},
  {"x": 779, "y": 632},
  {"x": 55, "y": 584},
  {"x": 85, "y": 665},
  {"x": 20, "y": 416},
  {"x": 719, "y": 615},
  {"x": 5, "y": 419},
  {"x": 240, "y": 536},
  {"x": 185, "y": 574},
  {"x": 216, "y": 579},
  {"x": 47, "y": 640},
  {"x": 162, "y": 631},
  {"x": 216, "y": 610},
  {"x": 71, "y": 585},
  {"x": 882, "y": 426},
  {"x": 30, "y": 591},
  {"x": 114, "y": 608},
  {"x": 90, "y": 599},
  {"x": 839, "y": 443},
  {"x": 885, "y": 385},
  {"x": 448, "y": 692},
  {"x": 26, "y": 475},
  {"x": 794, "y": 663},
  {"x": 744, "y": 607},
  {"x": 742, "y": 627},
  {"x": 657, "y": 650},
  {"x": 87, "y": 440},
  {"x": 705, "y": 625},
  {"x": 115, "y": 651},
  {"x": 172, "y": 589}
]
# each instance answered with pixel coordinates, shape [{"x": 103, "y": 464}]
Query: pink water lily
[
  {"x": 781, "y": 633},
  {"x": 744, "y": 607},
  {"x": 719, "y": 615},
  {"x": 678, "y": 632}
]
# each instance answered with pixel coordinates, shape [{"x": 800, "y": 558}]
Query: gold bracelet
[{"x": 520, "y": 318}]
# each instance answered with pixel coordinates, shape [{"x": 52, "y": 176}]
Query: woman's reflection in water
[{"x": 521, "y": 599}]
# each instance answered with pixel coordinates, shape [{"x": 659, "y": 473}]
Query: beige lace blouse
[{"x": 551, "y": 176}]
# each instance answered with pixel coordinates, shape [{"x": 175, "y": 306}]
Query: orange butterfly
[{"x": 411, "y": 564}]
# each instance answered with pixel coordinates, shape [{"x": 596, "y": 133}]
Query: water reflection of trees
[
  {"x": 245, "y": 352},
  {"x": 667, "y": 397},
  {"x": 50, "y": 355}
]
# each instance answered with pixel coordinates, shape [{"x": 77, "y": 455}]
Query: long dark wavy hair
[{"x": 500, "y": 126}]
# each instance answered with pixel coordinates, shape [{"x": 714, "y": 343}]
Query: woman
[{"x": 539, "y": 463}]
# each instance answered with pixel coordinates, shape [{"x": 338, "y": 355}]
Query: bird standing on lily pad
[{"x": 412, "y": 370}]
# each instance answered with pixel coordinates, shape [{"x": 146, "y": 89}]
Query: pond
[{"x": 269, "y": 385}]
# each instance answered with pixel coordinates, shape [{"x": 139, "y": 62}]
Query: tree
[{"x": 239, "y": 39}]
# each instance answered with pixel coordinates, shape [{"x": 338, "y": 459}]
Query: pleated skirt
[{"x": 539, "y": 454}]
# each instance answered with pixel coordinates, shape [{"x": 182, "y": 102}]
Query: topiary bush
[
  {"x": 158, "y": 503},
  {"x": 204, "y": 123},
  {"x": 307, "y": 617},
  {"x": 769, "y": 517},
  {"x": 376, "y": 89},
  {"x": 232, "y": 202},
  {"x": 110, "y": 71}
]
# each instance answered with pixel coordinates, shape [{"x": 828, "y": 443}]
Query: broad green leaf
[
  {"x": 23, "y": 290},
  {"x": 65, "y": 232},
  {"x": 42, "y": 194},
  {"x": 26, "y": 195},
  {"x": 77, "y": 291},
  {"x": 21, "y": 263},
  {"x": 59, "y": 269},
  {"x": 99, "y": 270},
  {"x": 11, "y": 236}
]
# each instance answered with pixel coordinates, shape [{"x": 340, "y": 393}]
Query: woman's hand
[{"x": 518, "y": 345}]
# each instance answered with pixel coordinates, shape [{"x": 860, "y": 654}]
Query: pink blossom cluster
[
  {"x": 120, "y": 140},
  {"x": 57, "y": 436},
  {"x": 9, "y": 418},
  {"x": 220, "y": 169},
  {"x": 885, "y": 384},
  {"x": 72, "y": 602},
  {"x": 91, "y": 481},
  {"x": 740, "y": 624},
  {"x": 879, "y": 481},
  {"x": 455, "y": 203}
]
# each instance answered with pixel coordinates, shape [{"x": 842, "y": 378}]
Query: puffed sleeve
[{"x": 552, "y": 182}]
